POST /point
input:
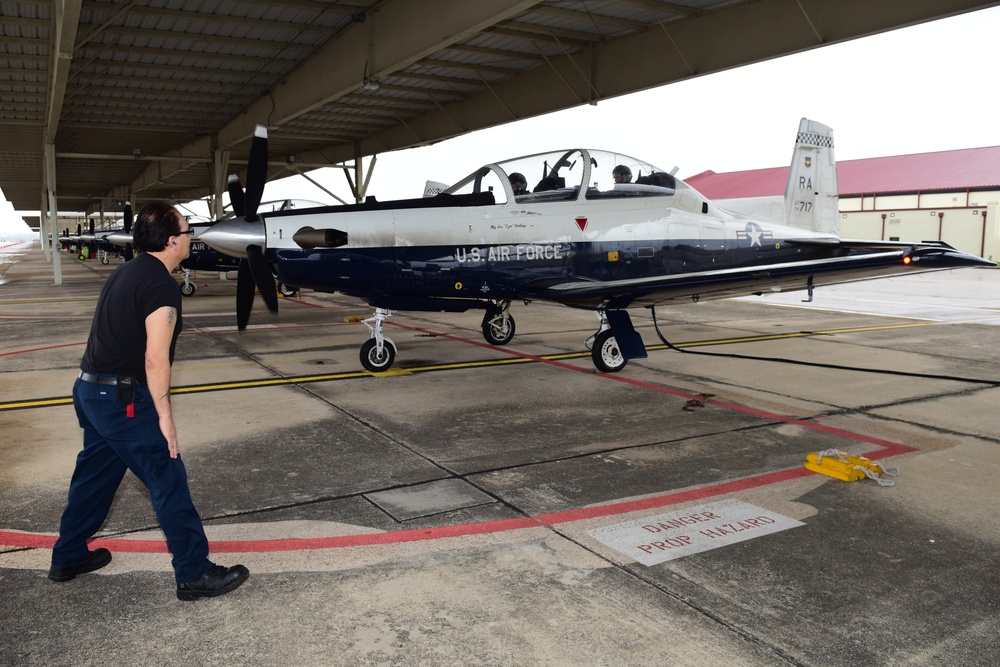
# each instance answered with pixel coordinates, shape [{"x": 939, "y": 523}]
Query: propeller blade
[
  {"x": 79, "y": 229},
  {"x": 127, "y": 221},
  {"x": 244, "y": 294},
  {"x": 254, "y": 269},
  {"x": 91, "y": 226},
  {"x": 262, "y": 276},
  {"x": 256, "y": 173},
  {"x": 236, "y": 195}
]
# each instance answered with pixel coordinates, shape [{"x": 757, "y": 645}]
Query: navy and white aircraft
[{"x": 598, "y": 230}]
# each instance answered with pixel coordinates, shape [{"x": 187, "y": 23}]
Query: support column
[
  {"x": 43, "y": 223},
  {"x": 53, "y": 209},
  {"x": 220, "y": 166}
]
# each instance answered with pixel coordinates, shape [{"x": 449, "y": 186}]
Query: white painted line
[{"x": 664, "y": 537}]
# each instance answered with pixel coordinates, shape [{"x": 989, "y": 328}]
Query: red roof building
[
  {"x": 967, "y": 169},
  {"x": 950, "y": 196}
]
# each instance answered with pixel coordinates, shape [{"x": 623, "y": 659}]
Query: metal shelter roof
[
  {"x": 158, "y": 98},
  {"x": 965, "y": 169}
]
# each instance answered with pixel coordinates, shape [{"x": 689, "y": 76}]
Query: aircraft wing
[{"x": 743, "y": 281}]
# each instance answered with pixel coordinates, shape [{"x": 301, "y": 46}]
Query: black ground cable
[{"x": 781, "y": 360}]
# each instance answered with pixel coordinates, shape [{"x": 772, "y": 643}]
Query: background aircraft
[
  {"x": 84, "y": 243},
  {"x": 577, "y": 238}
]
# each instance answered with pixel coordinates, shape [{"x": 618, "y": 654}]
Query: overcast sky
[{"x": 931, "y": 87}]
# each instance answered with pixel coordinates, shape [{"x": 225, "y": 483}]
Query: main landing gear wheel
[
  {"x": 606, "y": 354},
  {"x": 187, "y": 289},
  {"x": 375, "y": 362},
  {"x": 498, "y": 329}
]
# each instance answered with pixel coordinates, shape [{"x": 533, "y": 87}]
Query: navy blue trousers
[{"x": 112, "y": 443}]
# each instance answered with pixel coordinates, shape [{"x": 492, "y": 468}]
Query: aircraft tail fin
[{"x": 811, "y": 192}]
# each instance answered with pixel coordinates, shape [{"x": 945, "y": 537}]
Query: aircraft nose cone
[
  {"x": 231, "y": 237},
  {"x": 119, "y": 238}
]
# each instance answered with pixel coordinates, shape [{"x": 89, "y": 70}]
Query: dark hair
[
  {"x": 519, "y": 183},
  {"x": 624, "y": 172},
  {"x": 154, "y": 225}
]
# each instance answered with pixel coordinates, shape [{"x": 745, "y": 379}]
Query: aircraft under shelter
[
  {"x": 596, "y": 230},
  {"x": 156, "y": 99}
]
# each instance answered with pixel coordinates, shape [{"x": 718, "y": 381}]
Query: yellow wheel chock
[{"x": 848, "y": 468}]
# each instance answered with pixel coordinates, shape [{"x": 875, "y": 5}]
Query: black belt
[{"x": 98, "y": 379}]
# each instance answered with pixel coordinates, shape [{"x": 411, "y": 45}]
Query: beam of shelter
[
  {"x": 384, "y": 43},
  {"x": 67, "y": 21},
  {"x": 170, "y": 165},
  {"x": 696, "y": 46}
]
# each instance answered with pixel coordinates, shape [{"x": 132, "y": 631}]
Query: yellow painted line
[
  {"x": 37, "y": 403},
  {"x": 506, "y": 361}
]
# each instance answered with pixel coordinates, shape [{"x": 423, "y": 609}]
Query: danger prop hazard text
[{"x": 667, "y": 536}]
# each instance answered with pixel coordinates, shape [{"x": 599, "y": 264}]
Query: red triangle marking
[{"x": 581, "y": 223}]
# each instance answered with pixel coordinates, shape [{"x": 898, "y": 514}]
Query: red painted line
[
  {"x": 552, "y": 519},
  {"x": 41, "y": 349},
  {"x": 45, "y": 317},
  {"x": 886, "y": 449},
  {"x": 311, "y": 305},
  {"x": 199, "y": 331}
]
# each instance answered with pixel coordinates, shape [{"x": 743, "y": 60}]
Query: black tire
[
  {"x": 287, "y": 290},
  {"x": 187, "y": 289},
  {"x": 105, "y": 260},
  {"x": 372, "y": 361},
  {"x": 497, "y": 329},
  {"x": 606, "y": 354}
]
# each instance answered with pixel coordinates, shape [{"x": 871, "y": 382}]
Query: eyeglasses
[{"x": 186, "y": 232}]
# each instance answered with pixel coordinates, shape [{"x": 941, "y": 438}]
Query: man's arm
[{"x": 159, "y": 332}]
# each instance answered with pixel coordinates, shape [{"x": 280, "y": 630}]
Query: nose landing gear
[
  {"x": 498, "y": 324},
  {"x": 604, "y": 349},
  {"x": 378, "y": 352}
]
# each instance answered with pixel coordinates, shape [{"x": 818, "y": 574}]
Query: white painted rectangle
[{"x": 664, "y": 537}]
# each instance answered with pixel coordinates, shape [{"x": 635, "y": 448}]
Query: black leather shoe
[
  {"x": 95, "y": 560},
  {"x": 217, "y": 581}
]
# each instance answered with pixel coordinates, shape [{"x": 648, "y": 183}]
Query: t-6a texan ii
[{"x": 588, "y": 229}]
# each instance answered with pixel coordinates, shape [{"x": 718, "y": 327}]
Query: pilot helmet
[
  {"x": 518, "y": 183},
  {"x": 623, "y": 173}
]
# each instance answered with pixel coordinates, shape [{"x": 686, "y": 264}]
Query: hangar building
[{"x": 951, "y": 196}]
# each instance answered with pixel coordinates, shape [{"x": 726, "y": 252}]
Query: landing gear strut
[
  {"x": 188, "y": 288},
  {"x": 604, "y": 350},
  {"x": 498, "y": 324},
  {"x": 378, "y": 352}
]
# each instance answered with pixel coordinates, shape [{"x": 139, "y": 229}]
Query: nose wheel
[
  {"x": 187, "y": 288},
  {"x": 378, "y": 352},
  {"x": 604, "y": 350},
  {"x": 606, "y": 354},
  {"x": 498, "y": 324},
  {"x": 376, "y": 360}
]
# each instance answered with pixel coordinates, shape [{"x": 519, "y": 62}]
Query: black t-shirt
[{"x": 133, "y": 291}]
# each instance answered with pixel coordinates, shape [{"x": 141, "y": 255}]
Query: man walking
[{"x": 122, "y": 401}]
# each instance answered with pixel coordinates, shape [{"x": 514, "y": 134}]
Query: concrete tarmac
[{"x": 481, "y": 505}]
